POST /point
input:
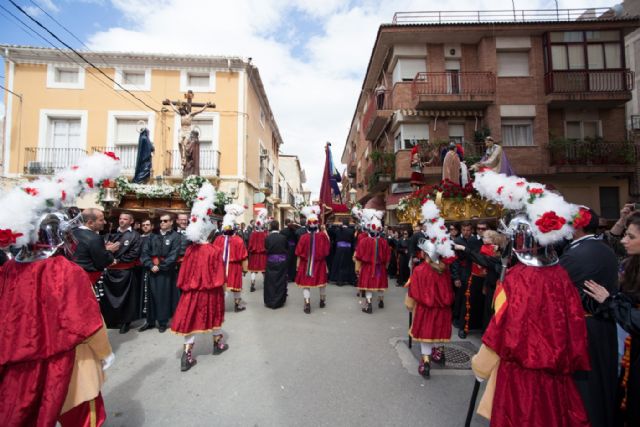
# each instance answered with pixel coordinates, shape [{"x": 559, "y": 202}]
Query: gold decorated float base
[
  {"x": 133, "y": 203},
  {"x": 462, "y": 209}
]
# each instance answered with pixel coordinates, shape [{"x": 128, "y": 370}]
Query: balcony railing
[
  {"x": 453, "y": 83},
  {"x": 128, "y": 155},
  {"x": 209, "y": 163},
  {"x": 584, "y": 81},
  {"x": 487, "y": 16},
  {"x": 377, "y": 102},
  {"x": 47, "y": 161},
  {"x": 568, "y": 152}
]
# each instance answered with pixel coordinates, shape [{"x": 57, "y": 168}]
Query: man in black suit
[
  {"x": 91, "y": 253},
  {"x": 461, "y": 269},
  {"x": 275, "y": 278},
  {"x": 589, "y": 258}
]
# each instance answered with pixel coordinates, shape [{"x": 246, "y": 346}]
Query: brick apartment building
[{"x": 550, "y": 86}]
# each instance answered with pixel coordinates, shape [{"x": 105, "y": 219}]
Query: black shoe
[
  {"x": 125, "y": 328},
  {"x": 425, "y": 369},
  {"x": 381, "y": 304},
  {"x": 162, "y": 328},
  {"x": 219, "y": 347},
  {"x": 307, "y": 308},
  {"x": 323, "y": 304},
  {"x": 238, "y": 308},
  {"x": 462, "y": 334},
  {"x": 186, "y": 362},
  {"x": 253, "y": 288},
  {"x": 146, "y": 327},
  {"x": 367, "y": 309}
]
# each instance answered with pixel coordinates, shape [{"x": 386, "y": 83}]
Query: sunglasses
[
  {"x": 165, "y": 220},
  {"x": 481, "y": 228}
]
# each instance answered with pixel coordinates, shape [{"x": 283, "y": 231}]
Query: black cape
[
  {"x": 592, "y": 259},
  {"x": 275, "y": 277},
  {"x": 163, "y": 293},
  {"x": 292, "y": 241},
  {"x": 343, "y": 268},
  {"x": 143, "y": 160},
  {"x": 402, "y": 248},
  {"x": 121, "y": 303},
  {"x": 90, "y": 253}
]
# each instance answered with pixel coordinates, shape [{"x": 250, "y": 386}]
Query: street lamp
[{"x": 352, "y": 196}]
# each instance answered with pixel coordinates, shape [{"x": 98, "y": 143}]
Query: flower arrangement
[
  {"x": 448, "y": 189},
  {"x": 189, "y": 188}
]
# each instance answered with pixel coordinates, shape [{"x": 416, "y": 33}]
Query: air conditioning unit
[{"x": 264, "y": 153}]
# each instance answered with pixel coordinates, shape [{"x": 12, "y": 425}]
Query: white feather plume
[
  {"x": 200, "y": 222},
  {"x": 436, "y": 229}
]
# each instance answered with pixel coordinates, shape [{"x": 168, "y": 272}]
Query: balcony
[
  {"x": 570, "y": 156},
  {"x": 602, "y": 87},
  {"x": 454, "y": 90},
  {"x": 379, "y": 111},
  {"x": 432, "y": 159},
  {"x": 128, "y": 155},
  {"x": 209, "y": 163},
  {"x": 48, "y": 161},
  {"x": 380, "y": 171},
  {"x": 266, "y": 182}
]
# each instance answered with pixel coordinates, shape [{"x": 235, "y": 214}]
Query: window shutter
[{"x": 513, "y": 64}]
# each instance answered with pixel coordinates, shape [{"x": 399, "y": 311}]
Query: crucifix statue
[{"x": 189, "y": 143}]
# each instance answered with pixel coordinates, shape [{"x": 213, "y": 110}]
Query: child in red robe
[
  {"x": 257, "y": 250},
  {"x": 372, "y": 257}
]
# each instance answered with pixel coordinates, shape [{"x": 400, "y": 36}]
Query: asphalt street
[{"x": 335, "y": 367}]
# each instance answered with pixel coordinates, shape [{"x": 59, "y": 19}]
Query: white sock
[
  {"x": 237, "y": 295},
  {"x": 253, "y": 276},
  {"x": 189, "y": 339},
  {"x": 306, "y": 293},
  {"x": 369, "y": 295},
  {"x": 323, "y": 292},
  {"x": 380, "y": 294},
  {"x": 426, "y": 348}
]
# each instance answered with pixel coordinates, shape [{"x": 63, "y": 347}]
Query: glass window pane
[
  {"x": 612, "y": 54},
  {"x": 566, "y": 36},
  {"x": 573, "y": 130},
  {"x": 590, "y": 129},
  {"x": 559, "y": 57},
  {"x": 198, "y": 80},
  {"x": 133, "y": 78},
  {"x": 596, "y": 57},
  {"x": 67, "y": 75},
  {"x": 127, "y": 131},
  {"x": 513, "y": 64},
  {"x": 456, "y": 130},
  {"x": 603, "y": 36},
  {"x": 205, "y": 126},
  {"x": 576, "y": 57}
]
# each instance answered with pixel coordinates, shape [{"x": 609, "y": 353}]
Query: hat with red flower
[{"x": 201, "y": 224}]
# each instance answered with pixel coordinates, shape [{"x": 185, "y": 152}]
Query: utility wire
[
  {"x": 12, "y": 93},
  {"x": 85, "y": 46},
  {"x": 62, "y": 52},
  {"x": 80, "y": 55}
]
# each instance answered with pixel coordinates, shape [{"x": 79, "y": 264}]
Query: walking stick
[
  {"x": 472, "y": 403},
  {"x": 410, "y": 319}
]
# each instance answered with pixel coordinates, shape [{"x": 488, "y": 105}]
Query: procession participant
[
  {"x": 537, "y": 338},
  {"x": 494, "y": 158},
  {"x": 372, "y": 256},
  {"x": 159, "y": 256},
  {"x": 289, "y": 231},
  {"x": 201, "y": 280},
  {"x": 589, "y": 258},
  {"x": 461, "y": 271},
  {"x": 53, "y": 355},
  {"x": 312, "y": 251},
  {"x": 121, "y": 302},
  {"x": 146, "y": 228},
  {"x": 343, "y": 269},
  {"x": 275, "y": 278},
  {"x": 430, "y": 293},
  {"x": 302, "y": 229},
  {"x": 233, "y": 254},
  {"x": 91, "y": 253},
  {"x": 257, "y": 252},
  {"x": 403, "y": 258}
]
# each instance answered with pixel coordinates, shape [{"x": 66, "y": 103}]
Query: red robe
[
  {"x": 433, "y": 294},
  {"x": 201, "y": 280},
  {"x": 257, "y": 252},
  {"x": 373, "y": 270},
  {"x": 232, "y": 260},
  {"x": 318, "y": 273},
  {"x": 48, "y": 308},
  {"x": 539, "y": 333}
]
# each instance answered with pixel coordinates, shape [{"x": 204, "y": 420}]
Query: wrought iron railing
[
  {"x": 454, "y": 83},
  {"x": 569, "y": 152},
  {"x": 209, "y": 163},
  {"x": 47, "y": 161},
  {"x": 581, "y": 81},
  {"x": 377, "y": 102},
  {"x": 128, "y": 155},
  {"x": 488, "y": 16}
]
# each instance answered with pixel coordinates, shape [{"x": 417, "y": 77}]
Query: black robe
[
  {"x": 163, "y": 297},
  {"x": 275, "y": 277},
  {"x": 121, "y": 302},
  {"x": 461, "y": 270},
  {"x": 143, "y": 160},
  {"x": 343, "y": 268},
  {"x": 494, "y": 268},
  {"x": 402, "y": 248},
  {"x": 90, "y": 253},
  {"x": 143, "y": 274},
  {"x": 292, "y": 241},
  {"x": 392, "y": 268},
  {"x": 592, "y": 259}
]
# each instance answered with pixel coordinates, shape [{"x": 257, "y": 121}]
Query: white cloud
[{"x": 313, "y": 95}]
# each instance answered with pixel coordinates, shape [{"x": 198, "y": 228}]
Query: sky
[{"x": 312, "y": 54}]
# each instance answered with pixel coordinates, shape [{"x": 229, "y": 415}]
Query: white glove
[
  {"x": 108, "y": 361},
  {"x": 480, "y": 380}
]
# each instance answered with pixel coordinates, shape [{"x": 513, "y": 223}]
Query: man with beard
[
  {"x": 343, "y": 268},
  {"x": 275, "y": 278},
  {"x": 160, "y": 256},
  {"x": 121, "y": 284},
  {"x": 589, "y": 258}
]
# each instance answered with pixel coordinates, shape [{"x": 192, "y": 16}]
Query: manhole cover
[{"x": 457, "y": 355}]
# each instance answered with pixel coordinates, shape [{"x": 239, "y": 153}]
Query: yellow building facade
[{"x": 62, "y": 108}]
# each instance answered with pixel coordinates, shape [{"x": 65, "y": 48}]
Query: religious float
[{"x": 456, "y": 203}]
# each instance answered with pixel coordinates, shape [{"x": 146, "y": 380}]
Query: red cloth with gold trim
[
  {"x": 48, "y": 308},
  {"x": 540, "y": 335},
  {"x": 257, "y": 251},
  {"x": 201, "y": 280},
  {"x": 232, "y": 265},
  {"x": 318, "y": 275},
  {"x": 80, "y": 416},
  {"x": 434, "y": 296},
  {"x": 373, "y": 269}
]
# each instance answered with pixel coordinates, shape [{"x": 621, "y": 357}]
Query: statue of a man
[
  {"x": 190, "y": 153},
  {"x": 186, "y": 119}
]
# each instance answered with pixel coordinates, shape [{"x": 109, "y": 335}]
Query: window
[
  {"x": 62, "y": 140},
  {"x": 456, "y": 132},
  {"x": 65, "y": 77},
  {"x": 136, "y": 80},
  {"x": 127, "y": 131},
  {"x": 517, "y": 132},
  {"x": 410, "y": 134},
  {"x": 133, "y": 77},
  {"x": 205, "y": 128},
  {"x": 577, "y": 50},
  {"x": 513, "y": 64},
  {"x": 65, "y": 133},
  {"x": 609, "y": 202},
  {"x": 579, "y": 130},
  {"x": 407, "y": 68},
  {"x": 197, "y": 81},
  {"x": 123, "y": 129},
  {"x": 262, "y": 117}
]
